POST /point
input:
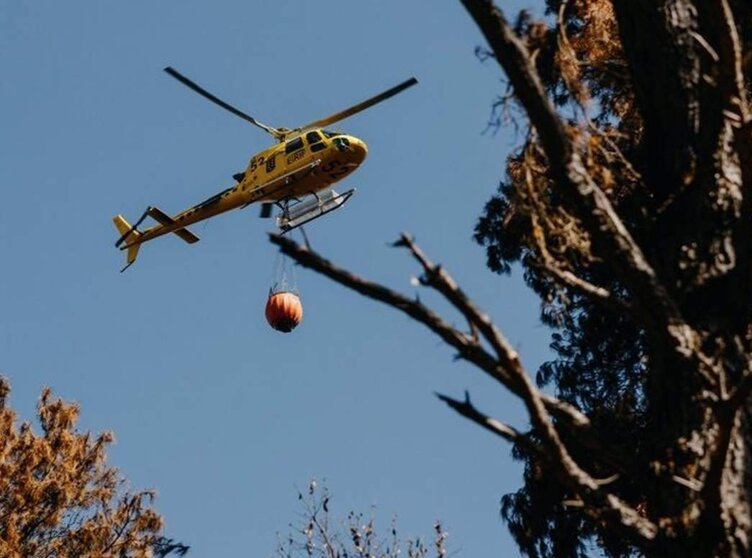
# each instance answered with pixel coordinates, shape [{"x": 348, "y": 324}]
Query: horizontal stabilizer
[
  {"x": 159, "y": 216},
  {"x": 164, "y": 219},
  {"x": 187, "y": 235}
]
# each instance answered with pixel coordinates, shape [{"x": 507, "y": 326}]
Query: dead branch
[
  {"x": 569, "y": 279},
  {"x": 732, "y": 60},
  {"x": 469, "y": 411},
  {"x": 468, "y": 348},
  {"x": 509, "y": 433},
  {"x": 593, "y": 292},
  {"x": 505, "y": 368},
  {"x": 436, "y": 277}
]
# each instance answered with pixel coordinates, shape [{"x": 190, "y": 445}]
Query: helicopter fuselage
[
  {"x": 299, "y": 166},
  {"x": 335, "y": 156}
]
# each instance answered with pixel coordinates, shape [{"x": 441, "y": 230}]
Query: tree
[
  {"x": 319, "y": 535},
  {"x": 629, "y": 205},
  {"x": 58, "y": 496}
]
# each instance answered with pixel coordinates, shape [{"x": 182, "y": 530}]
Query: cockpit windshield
[
  {"x": 330, "y": 134},
  {"x": 342, "y": 143}
]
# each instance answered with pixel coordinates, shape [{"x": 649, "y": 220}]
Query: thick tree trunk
[
  {"x": 686, "y": 77},
  {"x": 689, "y": 271}
]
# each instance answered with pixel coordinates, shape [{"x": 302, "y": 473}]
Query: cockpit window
[
  {"x": 329, "y": 134},
  {"x": 342, "y": 143},
  {"x": 294, "y": 145},
  {"x": 315, "y": 141}
]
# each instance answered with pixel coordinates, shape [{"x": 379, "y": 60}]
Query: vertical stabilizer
[{"x": 128, "y": 237}]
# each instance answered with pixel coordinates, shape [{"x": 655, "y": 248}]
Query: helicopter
[{"x": 295, "y": 174}]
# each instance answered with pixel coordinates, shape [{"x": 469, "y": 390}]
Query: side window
[
  {"x": 315, "y": 141},
  {"x": 271, "y": 162},
  {"x": 294, "y": 145}
]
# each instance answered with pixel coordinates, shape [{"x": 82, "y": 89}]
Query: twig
[
  {"x": 436, "y": 277},
  {"x": 593, "y": 292},
  {"x": 469, "y": 411}
]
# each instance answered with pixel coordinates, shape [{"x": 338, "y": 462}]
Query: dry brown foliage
[{"x": 59, "y": 497}]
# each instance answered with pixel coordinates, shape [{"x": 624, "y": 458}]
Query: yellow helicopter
[{"x": 295, "y": 175}]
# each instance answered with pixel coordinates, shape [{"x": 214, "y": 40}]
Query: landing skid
[{"x": 296, "y": 213}]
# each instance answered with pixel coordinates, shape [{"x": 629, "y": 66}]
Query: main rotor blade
[
  {"x": 362, "y": 106},
  {"x": 216, "y": 100}
]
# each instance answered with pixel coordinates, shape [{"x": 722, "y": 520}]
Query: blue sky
[{"x": 220, "y": 414}]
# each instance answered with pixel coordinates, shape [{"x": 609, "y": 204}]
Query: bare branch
[
  {"x": 469, "y": 411},
  {"x": 467, "y": 347},
  {"x": 616, "y": 150},
  {"x": 437, "y": 278},
  {"x": 512, "y": 55},
  {"x": 732, "y": 74},
  {"x": 711, "y": 495},
  {"x": 593, "y": 292},
  {"x": 568, "y": 414},
  {"x": 503, "y": 430},
  {"x": 324, "y": 534},
  {"x": 738, "y": 397},
  {"x": 506, "y": 368}
]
